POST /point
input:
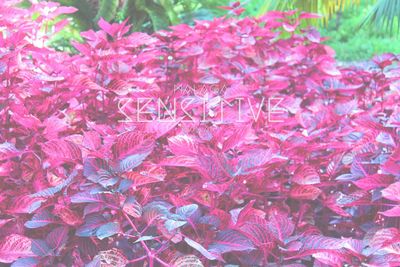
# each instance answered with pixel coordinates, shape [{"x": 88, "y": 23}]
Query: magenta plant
[{"x": 84, "y": 183}]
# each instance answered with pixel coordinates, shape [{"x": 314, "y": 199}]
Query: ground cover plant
[{"x": 235, "y": 142}]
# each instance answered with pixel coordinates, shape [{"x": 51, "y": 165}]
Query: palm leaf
[
  {"x": 168, "y": 6},
  {"x": 137, "y": 16},
  {"x": 158, "y": 15},
  {"x": 107, "y": 10},
  {"x": 385, "y": 15},
  {"x": 326, "y": 8},
  {"x": 142, "y": 11}
]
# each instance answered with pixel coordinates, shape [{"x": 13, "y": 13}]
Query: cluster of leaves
[
  {"x": 83, "y": 183},
  {"x": 144, "y": 15}
]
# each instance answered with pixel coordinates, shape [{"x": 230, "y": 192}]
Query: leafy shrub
[{"x": 304, "y": 173}]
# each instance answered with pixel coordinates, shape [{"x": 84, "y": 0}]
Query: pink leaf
[
  {"x": 305, "y": 192},
  {"x": 328, "y": 67},
  {"x": 230, "y": 240},
  {"x": 306, "y": 175},
  {"x": 392, "y": 192},
  {"x": 393, "y": 212},
  {"x": 62, "y": 151},
  {"x": 148, "y": 175},
  {"x": 374, "y": 181},
  {"x": 280, "y": 226},
  {"x": 14, "y": 247},
  {"x": 305, "y": 15}
]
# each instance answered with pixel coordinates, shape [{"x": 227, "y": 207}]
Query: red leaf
[
  {"x": 57, "y": 238},
  {"x": 14, "y": 247},
  {"x": 384, "y": 237},
  {"x": 92, "y": 140},
  {"x": 132, "y": 142},
  {"x": 236, "y": 139},
  {"x": 327, "y": 66},
  {"x": 132, "y": 207},
  {"x": 313, "y": 35},
  {"x": 8, "y": 150},
  {"x": 318, "y": 243},
  {"x": 392, "y": 192},
  {"x": 280, "y": 226},
  {"x": 62, "y": 150},
  {"x": 183, "y": 145},
  {"x": 228, "y": 241},
  {"x": 65, "y": 10},
  {"x": 68, "y": 216},
  {"x": 305, "y": 15},
  {"x": 25, "y": 204},
  {"x": 374, "y": 181},
  {"x": 305, "y": 192},
  {"x": 393, "y": 212},
  {"x": 148, "y": 175},
  {"x": 306, "y": 175}
]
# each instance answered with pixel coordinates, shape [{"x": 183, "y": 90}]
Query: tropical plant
[
  {"x": 143, "y": 15},
  {"x": 326, "y": 8},
  {"x": 384, "y": 15},
  {"x": 357, "y": 47}
]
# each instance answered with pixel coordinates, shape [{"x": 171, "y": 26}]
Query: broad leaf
[
  {"x": 57, "y": 238},
  {"x": 40, "y": 219},
  {"x": 230, "y": 240},
  {"x": 280, "y": 226},
  {"x": 14, "y": 247}
]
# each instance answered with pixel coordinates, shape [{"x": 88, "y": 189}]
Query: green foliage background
[
  {"x": 354, "y": 43},
  {"x": 345, "y": 34}
]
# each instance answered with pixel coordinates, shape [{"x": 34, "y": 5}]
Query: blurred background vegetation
[
  {"x": 358, "y": 44},
  {"x": 357, "y": 29}
]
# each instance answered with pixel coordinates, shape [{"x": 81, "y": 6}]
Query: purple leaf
[
  {"x": 230, "y": 240},
  {"x": 57, "y": 238},
  {"x": 40, "y": 219}
]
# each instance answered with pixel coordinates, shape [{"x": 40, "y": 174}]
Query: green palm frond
[
  {"x": 168, "y": 6},
  {"x": 326, "y": 8},
  {"x": 142, "y": 12},
  {"x": 136, "y": 16},
  {"x": 385, "y": 15},
  {"x": 158, "y": 15},
  {"x": 107, "y": 9}
]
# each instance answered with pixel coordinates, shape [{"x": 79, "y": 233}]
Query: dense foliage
[
  {"x": 343, "y": 22},
  {"x": 354, "y": 43},
  {"x": 306, "y": 172},
  {"x": 144, "y": 15}
]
